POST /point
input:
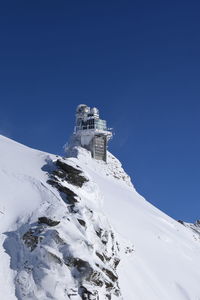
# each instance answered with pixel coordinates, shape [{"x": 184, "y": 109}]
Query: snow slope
[{"x": 98, "y": 224}]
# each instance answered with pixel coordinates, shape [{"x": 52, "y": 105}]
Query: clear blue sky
[{"x": 137, "y": 61}]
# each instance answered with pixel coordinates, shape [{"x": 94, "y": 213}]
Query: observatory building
[{"x": 92, "y": 132}]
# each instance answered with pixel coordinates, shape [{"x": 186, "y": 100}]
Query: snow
[
  {"x": 166, "y": 260},
  {"x": 159, "y": 257}
]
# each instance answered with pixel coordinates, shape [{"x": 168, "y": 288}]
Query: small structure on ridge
[{"x": 91, "y": 131}]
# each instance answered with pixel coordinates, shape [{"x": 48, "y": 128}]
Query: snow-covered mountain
[{"x": 75, "y": 228}]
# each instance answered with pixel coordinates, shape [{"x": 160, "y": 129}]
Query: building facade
[{"x": 92, "y": 132}]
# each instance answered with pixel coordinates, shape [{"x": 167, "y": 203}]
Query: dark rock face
[
  {"x": 197, "y": 223},
  {"x": 70, "y": 174},
  {"x": 30, "y": 239},
  {"x": 82, "y": 222},
  {"x": 87, "y": 295},
  {"x": 100, "y": 256},
  {"x": 47, "y": 221},
  {"x": 34, "y": 235},
  {"x": 82, "y": 268},
  {"x": 66, "y": 174},
  {"x": 181, "y": 222},
  {"x": 71, "y": 197},
  {"x": 113, "y": 277}
]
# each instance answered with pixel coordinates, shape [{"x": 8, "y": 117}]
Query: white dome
[
  {"x": 95, "y": 111},
  {"x": 82, "y": 108}
]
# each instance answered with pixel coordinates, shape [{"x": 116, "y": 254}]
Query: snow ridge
[{"x": 75, "y": 228}]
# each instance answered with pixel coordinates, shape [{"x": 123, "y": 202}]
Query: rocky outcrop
[
  {"x": 68, "y": 173},
  {"x": 100, "y": 273},
  {"x": 47, "y": 221},
  {"x": 194, "y": 227},
  {"x": 78, "y": 246}
]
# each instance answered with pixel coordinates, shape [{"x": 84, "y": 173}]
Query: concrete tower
[{"x": 91, "y": 131}]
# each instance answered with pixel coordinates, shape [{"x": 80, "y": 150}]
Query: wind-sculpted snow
[{"x": 75, "y": 228}]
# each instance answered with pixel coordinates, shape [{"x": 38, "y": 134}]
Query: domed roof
[
  {"x": 82, "y": 108},
  {"x": 95, "y": 111}
]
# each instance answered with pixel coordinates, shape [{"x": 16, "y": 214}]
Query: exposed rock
[
  {"x": 47, "y": 221},
  {"x": 89, "y": 279},
  {"x": 96, "y": 278},
  {"x": 194, "y": 227},
  {"x": 104, "y": 237},
  {"x": 99, "y": 232},
  {"x": 129, "y": 250},
  {"x": 82, "y": 222},
  {"x": 70, "y": 174},
  {"x": 181, "y": 222},
  {"x": 73, "y": 209},
  {"x": 88, "y": 295},
  {"x": 83, "y": 267},
  {"x": 116, "y": 262},
  {"x": 56, "y": 237},
  {"x": 71, "y": 197},
  {"x": 59, "y": 173},
  {"x": 110, "y": 274},
  {"x": 31, "y": 239},
  {"x": 100, "y": 256}
]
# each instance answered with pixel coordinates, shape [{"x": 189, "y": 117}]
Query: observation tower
[{"x": 92, "y": 132}]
